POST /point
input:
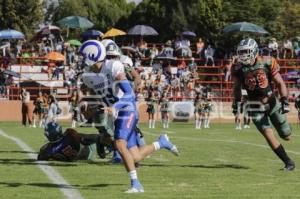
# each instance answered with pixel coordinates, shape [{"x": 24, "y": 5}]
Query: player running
[
  {"x": 255, "y": 74},
  {"x": 107, "y": 79}
]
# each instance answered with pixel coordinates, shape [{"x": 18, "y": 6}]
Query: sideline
[
  {"x": 224, "y": 141},
  {"x": 68, "y": 190}
]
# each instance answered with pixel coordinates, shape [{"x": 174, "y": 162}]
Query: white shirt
[{"x": 104, "y": 83}]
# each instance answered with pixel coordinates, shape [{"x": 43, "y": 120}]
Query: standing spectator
[
  {"x": 153, "y": 53},
  {"x": 209, "y": 55},
  {"x": 164, "y": 109},
  {"x": 273, "y": 48},
  {"x": 296, "y": 46},
  {"x": 200, "y": 46},
  {"x": 151, "y": 111},
  {"x": 26, "y": 109},
  {"x": 53, "y": 111},
  {"x": 288, "y": 48}
]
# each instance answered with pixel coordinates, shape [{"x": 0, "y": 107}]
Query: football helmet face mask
[
  {"x": 247, "y": 51},
  {"x": 93, "y": 51},
  {"x": 53, "y": 131},
  {"x": 112, "y": 49}
]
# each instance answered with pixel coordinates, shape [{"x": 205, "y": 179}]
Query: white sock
[
  {"x": 208, "y": 121},
  {"x": 150, "y": 124},
  {"x": 41, "y": 123},
  {"x": 153, "y": 124},
  {"x": 200, "y": 122},
  {"x": 156, "y": 145},
  {"x": 133, "y": 175},
  {"x": 167, "y": 124},
  {"x": 33, "y": 122},
  {"x": 197, "y": 124}
]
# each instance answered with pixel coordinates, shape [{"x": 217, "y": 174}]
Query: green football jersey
[{"x": 257, "y": 79}]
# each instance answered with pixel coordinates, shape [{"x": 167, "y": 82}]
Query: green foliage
[
  {"x": 103, "y": 13},
  {"x": 20, "y": 15}
]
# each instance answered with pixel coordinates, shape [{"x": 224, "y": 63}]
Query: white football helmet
[
  {"x": 112, "y": 49},
  {"x": 93, "y": 51},
  {"x": 247, "y": 51}
]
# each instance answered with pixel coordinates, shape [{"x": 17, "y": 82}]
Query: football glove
[{"x": 284, "y": 105}]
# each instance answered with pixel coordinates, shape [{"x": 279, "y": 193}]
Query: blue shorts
[{"x": 125, "y": 125}]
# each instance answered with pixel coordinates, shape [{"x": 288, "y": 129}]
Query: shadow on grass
[
  {"x": 51, "y": 185},
  {"x": 217, "y": 166},
  {"x": 26, "y": 162},
  {"x": 31, "y": 152}
]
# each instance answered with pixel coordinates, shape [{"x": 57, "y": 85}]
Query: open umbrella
[
  {"x": 74, "y": 42},
  {"x": 189, "y": 34},
  {"x": 142, "y": 30},
  {"x": 75, "y": 22},
  {"x": 113, "y": 32},
  {"x": 46, "y": 31},
  {"x": 244, "y": 27},
  {"x": 12, "y": 73},
  {"x": 11, "y": 34},
  {"x": 55, "y": 56},
  {"x": 91, "y": 33}
]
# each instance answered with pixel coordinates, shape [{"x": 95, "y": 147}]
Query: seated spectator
[
  {"x": 288, "y": 48},
  {"x": 143, "y": 47},
  {"x": 199, "y": 47},
  {"x": 182, "y": 48},
  {"x": 209, "y": 55},
  {"x": 181, "y": 66},
  {"x": 153, "y": 53},
  {"x": 167, "y": 50},
  {"x": 273, "y": 48}
]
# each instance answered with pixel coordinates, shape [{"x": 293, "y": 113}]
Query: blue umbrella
[
  {"x": 189, "y": 33},
  {"x": 142, "y": 30},
  {"x": 244, "y": 27},
  {"x": 91, "y": 33},
  {"x": 11, "y": 34},
  {"x": 75, "y": 22}
]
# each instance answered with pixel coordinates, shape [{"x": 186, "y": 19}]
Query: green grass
[{"x": 214, "y": 163}]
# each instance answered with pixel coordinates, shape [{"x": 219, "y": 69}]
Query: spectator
[
  {"x": 209, "y": 55},
  {"x": 167, "y": 51},
  {"x": 54, "y": 109},
  {"x": 26, "y": 108},
  {"x": 273, "y": 48},
  {"x": 142, "y": 47},
  {"x": 288, "y": 48},
  {"x": 181, "y": 66},
  {"x": 200, "y": 46},
  {"x": 153, "y": 53},
  {"x": 296, "y": 49}
]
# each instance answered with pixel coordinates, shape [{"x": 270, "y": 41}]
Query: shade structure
[
  {"x": 75, "y": 22},
  {"x": 74, "y": 42},
  {"x": 142, "y": 30},
  {"x": 91, "y": 33},
  {"x": 12, "y": 73},
  {"x": 188, "y": 33},
  {"x": 113, "y": 32},
  {"x": 244, "y": 27},
  {"x": 55, "y": 56},
  {"x": 11, "y": 34}
]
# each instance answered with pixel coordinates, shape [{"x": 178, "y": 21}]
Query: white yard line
[
  {"x": 224, "y": 141},
  {"x": 68, "y": 190}
]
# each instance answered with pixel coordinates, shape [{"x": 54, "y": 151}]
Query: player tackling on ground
[
  {"x": 255, "y": 74},
  {"x": 107, "y": 78}
]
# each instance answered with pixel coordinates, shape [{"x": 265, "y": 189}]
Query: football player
[
  {"x": 71, "y": 145},
  {"x": 255, "y": 74},
  {"x": 108, "y": 80}
]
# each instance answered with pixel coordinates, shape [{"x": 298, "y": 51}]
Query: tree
[
  {"x": 103, "y": 14},
  {"x": 16, "y": 14}
]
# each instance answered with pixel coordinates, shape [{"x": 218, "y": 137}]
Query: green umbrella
[
  {"x": 75, "y": 22},
  {"x": 74, "y": 42},
  {"x": 244, "y": 27}
]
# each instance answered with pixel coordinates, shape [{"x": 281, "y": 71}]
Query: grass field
[{"x": 214, "y": 163}]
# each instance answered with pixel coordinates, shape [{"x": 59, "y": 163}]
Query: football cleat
[
  {"x": 290, "y": 166},
  {"x": 136, "y": 187},
  {"x": 165, "y": 143}
]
